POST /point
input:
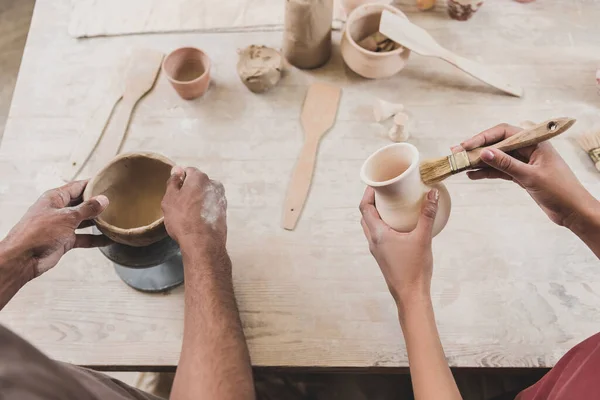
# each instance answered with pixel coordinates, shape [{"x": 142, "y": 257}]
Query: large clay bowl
[
  {"x": 362, "y": 22},
  {"x": 135, "y": 184}
]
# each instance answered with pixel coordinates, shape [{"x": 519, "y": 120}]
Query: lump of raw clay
[{"x": 259, "y": 67}]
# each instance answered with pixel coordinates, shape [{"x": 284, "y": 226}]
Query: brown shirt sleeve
[{"x": 27, "y": 374}]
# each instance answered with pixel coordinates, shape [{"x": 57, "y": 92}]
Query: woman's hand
[
  {"x": 405, "y": 259},
  {"x": 539, "y": 169},
  {"x": 407, "y": 264}
]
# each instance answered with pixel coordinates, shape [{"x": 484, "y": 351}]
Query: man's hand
[
  {"x": 539, "y": 169},
  {"x": 195, "y": 210},
  {"x": 214, "y": 362},
  {"x": 405, "y": 259},
  {"x": 47, "y": 230}
]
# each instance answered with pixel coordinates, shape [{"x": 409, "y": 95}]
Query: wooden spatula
[
  {"x": 415, "y": 38},
  {"x": 140, "y": 76},
  {"x": 318, "y": 115},
  {"x": 92, "y": 131}
]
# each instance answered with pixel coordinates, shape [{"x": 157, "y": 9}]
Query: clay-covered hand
[
  {"x": 405, "y": 259},
  {"x": 539, "y": 169},
  {"x": 47, "y": 230},
  {"x": 195, "y": 210}
]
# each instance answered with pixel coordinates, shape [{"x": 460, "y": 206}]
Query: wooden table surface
[{"x": 510, "y": 289}]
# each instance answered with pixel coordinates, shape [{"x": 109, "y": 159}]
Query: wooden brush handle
[{"x": 527, "y": 137}]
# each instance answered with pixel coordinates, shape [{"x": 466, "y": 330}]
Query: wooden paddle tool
[
  {"x": 415, "y": 38},
  {"x": 318, "y": 116},
  {"x": 140, "y": 75}
]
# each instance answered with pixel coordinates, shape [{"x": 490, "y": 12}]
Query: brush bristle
[
  {"x": 589, "y": 141},
  {"x": 433, "y": 171}
]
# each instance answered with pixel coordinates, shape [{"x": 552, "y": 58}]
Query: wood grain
[{"x": 510, "y": 289}]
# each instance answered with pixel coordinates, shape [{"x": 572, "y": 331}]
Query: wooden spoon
[
  {"x": 318, "y": 115},
  {"x": 415, "y": 38},
  {"x": 140, "y": 76}
]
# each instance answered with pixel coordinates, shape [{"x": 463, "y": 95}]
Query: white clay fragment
[
  {"x": 259, "y": 67},
  {"x": 399, "y": 132},
  {"x": 383, "y": 110}
]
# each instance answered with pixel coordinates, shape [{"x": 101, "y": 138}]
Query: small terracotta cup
[
  {"x": 188, "y": 70},
  {"x": 362, "y": 22}
]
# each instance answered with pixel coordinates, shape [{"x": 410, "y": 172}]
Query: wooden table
[{"x": 510, "y": 289}]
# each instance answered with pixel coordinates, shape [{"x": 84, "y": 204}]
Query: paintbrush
[
  {"x": 590, "y": 142},
  {"x": 437, "y": 170}
]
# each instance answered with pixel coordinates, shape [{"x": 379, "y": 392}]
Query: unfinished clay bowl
[
  {"x": 188, "y": 71},
  {"x": 135, "y": 184},
  {"x": 361, "y": 23},
  {"x": 393, "y": 172}
]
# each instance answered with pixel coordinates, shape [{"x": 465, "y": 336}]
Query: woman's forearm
[
  {"x": 430, "y": 374},
  {"x": 214, "y": 362},
  {"x": 585, "y": 223}
]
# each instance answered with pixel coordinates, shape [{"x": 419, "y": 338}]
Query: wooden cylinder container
[{"x": 307, "y": 32}]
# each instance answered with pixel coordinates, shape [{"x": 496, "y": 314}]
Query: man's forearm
[
  {"x": 214, "y": 362},
  {"x": 430, "y": 374},
  {"x": 15, "y": 271}
]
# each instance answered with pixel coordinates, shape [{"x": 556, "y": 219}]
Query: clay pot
[
  {"x": 361, "y": 23},
  {"x": 188, "y": 71},
  {"x": 393, "y": 171},
  {"x": 135, "y": 184},
  {"x": 462, "y": 10}
]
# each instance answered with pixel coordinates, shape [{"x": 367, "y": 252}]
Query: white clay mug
[{"x": 393, "y": 172}]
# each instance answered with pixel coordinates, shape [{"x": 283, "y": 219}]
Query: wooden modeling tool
[
  {"x": 318, "y": 116},
  {"x": 415, "y": 38},
  {"x": 433, "y": 171},
  {"x": 92, "y": 132},
  {"x": 140, "y": 76}
]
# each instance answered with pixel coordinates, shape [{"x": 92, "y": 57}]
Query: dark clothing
[{"x": 27, "y": 374}]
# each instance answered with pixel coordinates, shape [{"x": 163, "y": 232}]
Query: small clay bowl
[
  {"x": 361, "y": 23},
  {"x": 135, "y": 184},
  {"x": 188, "y": 70}
]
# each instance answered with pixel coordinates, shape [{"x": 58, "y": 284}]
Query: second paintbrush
[{"x": 437, "y": 170}]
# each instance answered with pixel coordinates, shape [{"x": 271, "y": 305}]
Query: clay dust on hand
[{"x": 215, "y": 203}]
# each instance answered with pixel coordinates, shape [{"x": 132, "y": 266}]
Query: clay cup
[
  {"x": 393, "y": 172},
  {"x": 188, "y": 71},
  {"x": 135, "y": 184},
  {"x": 361, "y": 23}
]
